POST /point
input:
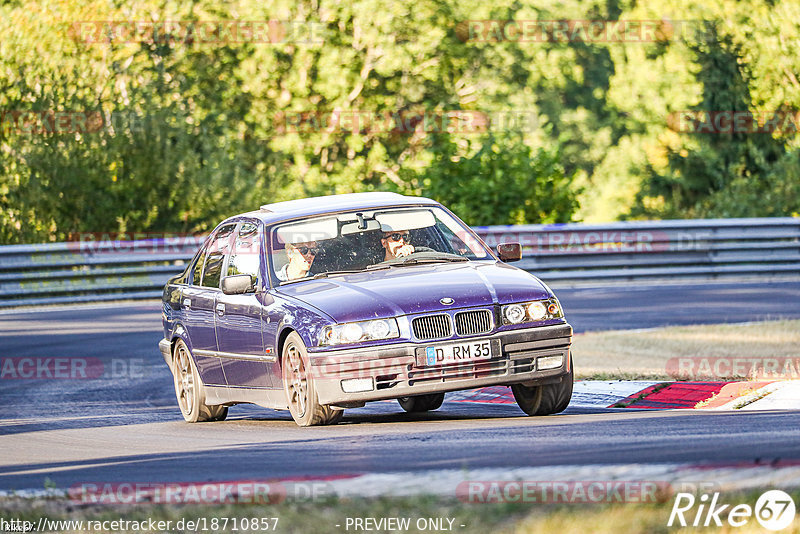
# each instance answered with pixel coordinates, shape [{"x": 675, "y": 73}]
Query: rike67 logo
[{"x": 774, "y": 510}]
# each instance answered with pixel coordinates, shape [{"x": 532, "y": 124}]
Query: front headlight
[
  {"x": 361, "y": 331},
  {"x": 514, "y": 314},
  {"x": 538, "y": 310}
]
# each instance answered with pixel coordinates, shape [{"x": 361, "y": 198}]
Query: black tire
[
  {"x": 218, "y": 413},
  {"x": 189, "y": 388},
  {"x": 421, "y": 403},
  {"x": 298, "y": 384},
  {"x": 545, "y": 400}
]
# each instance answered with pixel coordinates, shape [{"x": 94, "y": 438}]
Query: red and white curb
[
  {"x": 651, "y": 395},
  {"x": 588, "y": 393}
]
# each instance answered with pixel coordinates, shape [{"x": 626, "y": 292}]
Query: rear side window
[
  {"x": 246, "y": 253},
  {"x": 215, "y": 256},
  {"x": 197, "y": 270}
]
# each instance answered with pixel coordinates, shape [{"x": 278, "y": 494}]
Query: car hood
[{"x": 416, "y": 289}]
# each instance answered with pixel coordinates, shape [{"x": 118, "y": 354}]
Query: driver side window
[{"x": 246, "y": 253}]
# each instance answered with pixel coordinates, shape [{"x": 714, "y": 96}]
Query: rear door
[
  {"x": 238, "y": 317},
  {"x": 199, "y": 303}
]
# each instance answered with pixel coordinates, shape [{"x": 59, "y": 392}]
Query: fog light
[
  {"x": 356, "y": 385},
  {"x": 549, "y": 362}
]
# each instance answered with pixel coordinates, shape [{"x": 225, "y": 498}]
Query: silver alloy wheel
[
  {"x": 185, "y": 380},
  {"x": 298, "y": 385},
  {"x": 300, "y": 388}
]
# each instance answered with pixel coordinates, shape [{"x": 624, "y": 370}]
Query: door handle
[
  {"x": 221, "y": 309},
  {"x": 187, "y": 303}
]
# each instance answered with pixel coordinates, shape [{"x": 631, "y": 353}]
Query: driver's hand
[{"x": 405, "y": 250}]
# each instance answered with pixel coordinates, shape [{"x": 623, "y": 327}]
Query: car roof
[{"x": 281, "y": 211}]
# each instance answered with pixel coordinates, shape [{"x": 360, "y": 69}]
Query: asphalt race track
[{"x": 125, "y": 425}]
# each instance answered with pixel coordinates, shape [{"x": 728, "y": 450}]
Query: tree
[
  {"x": 703, "y": 171},
  {"x": 502, "y": 182}
]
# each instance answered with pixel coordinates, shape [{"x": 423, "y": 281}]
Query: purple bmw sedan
[{"x": 323, "y": 304}]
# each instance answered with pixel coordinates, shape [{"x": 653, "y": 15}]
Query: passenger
[
  {"x": 396, "y": 245},
  {"x": 301, "y": 257}
]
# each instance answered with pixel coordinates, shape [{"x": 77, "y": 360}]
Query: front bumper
[
  {"x": 394, "y": 371},
  {"x": 166, "y": 351}
]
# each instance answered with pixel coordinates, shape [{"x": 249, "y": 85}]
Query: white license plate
[{"x": 458, "y": 352}]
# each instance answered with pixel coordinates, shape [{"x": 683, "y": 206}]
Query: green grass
[
  {"x": 643, "y": 354},
  {"x": 323, "y": 515}
]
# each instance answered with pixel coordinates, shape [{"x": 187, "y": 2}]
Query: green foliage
[
  {"x": 723, "y": 174},
  {"x": 503, "y": 182},
  {"x": 193, "y": 130}
]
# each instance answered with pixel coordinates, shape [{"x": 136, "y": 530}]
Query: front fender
[{"x": 307, "y": 323}]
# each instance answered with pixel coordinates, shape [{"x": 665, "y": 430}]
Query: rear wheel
[
  {"x": 301, "y": 393},
  {"x": 421, "y": 403},
  {"x": 547, "y": 399},
  {"x": 189, "y": 388}
]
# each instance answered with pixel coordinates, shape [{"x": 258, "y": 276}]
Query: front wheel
[
  {"x": 189, "y": 389},
  {"x": 547, "y": 399},
  {"x": 421, "y": 403},
  {"x": 298, "y": 384}
]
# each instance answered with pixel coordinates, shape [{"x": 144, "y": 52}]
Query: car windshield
[{"x": 370, "y": 239}]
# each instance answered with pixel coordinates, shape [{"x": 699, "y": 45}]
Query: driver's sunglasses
[
  {"x": 398, "y": 236},
  {"x": 305, "y": 250}
]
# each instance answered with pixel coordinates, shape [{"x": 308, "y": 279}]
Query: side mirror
[
  {"x": 237, "y": 284},
  {"x": 509, "y": 251}
]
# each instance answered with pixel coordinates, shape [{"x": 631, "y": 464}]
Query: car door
[
  {"x": 238, "y": 317},
  {"x": 199, "y": 302}
]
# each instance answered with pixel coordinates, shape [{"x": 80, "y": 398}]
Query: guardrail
[
  {"x": 98, "y": 270},
  {"x": 91, "y": 270},
  {"x": 708, "y": 248}
]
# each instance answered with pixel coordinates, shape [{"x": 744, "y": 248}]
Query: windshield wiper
[
  {"x": 414, "y": 261},
  {"x": 328, "y": 273},
  {"x": 378, "y": 266},
  {"x": 322, "y": 275}
]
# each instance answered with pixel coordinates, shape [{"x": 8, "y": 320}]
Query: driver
[
  {"x": 396, "y": 244},
  {"x": 301, "y": 257}
]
